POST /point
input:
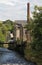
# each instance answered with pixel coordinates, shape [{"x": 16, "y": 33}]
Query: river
[{"x": 8, "y": 56}]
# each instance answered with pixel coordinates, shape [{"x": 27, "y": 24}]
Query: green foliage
[
  {"x": 34, "y": 52},
  {"x": 8, "y": 24},
  {"x": 5, "y": 26},
  {"x": 37, "y": 30}
]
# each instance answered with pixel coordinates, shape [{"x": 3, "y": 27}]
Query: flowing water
[{"x": 7, "y": 56}]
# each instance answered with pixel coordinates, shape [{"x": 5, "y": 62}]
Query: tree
[
  {"x": 34, "y": 52},
  {"x": 5, "y": 26},
  {"x": 37, "y": 29},
  {"x": 8, "y": 24},
  {"x": 36, "y": 44}
]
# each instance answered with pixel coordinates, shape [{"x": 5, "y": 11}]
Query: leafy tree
[
  {"x": 34, "y": 51},
  {"x": 5, "y": 26},
  {"x": 37, "y": 29},
  {"x": 8, "y": 24}
]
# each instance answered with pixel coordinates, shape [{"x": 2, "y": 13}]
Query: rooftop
[{"x": 23, "y": 22}]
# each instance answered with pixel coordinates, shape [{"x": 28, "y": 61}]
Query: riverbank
[
  {"x": 10, "y": 57},
  {"x": 29, "y": 54}
]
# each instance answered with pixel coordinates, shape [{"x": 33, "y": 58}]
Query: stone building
[{"x": 20, "y": 30}]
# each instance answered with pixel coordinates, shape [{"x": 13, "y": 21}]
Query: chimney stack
[
  {"x": 28, "y": 12},
  {"x": 28, "y": 20}
]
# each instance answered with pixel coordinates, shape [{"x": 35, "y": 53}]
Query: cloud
[
  {"x": 6, "y": 2},
  {"x": 16, "y": 9}
]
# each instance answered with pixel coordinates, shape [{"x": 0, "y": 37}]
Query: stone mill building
[{"x": 20, "y": 32}]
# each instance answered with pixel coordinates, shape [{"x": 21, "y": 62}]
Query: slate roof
[{"x": 23, "y": 22}]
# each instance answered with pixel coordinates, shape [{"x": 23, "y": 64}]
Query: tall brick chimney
[
  {"x": 28, "y": 20},
  {"x": 28, "y": 12}
]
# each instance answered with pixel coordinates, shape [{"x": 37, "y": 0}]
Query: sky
[{"x": 16, "y": 9}]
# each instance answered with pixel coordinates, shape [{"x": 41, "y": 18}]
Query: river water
[{"x": 8, "y": 56}]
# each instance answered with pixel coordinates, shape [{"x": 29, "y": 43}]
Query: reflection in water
[{"x": 7, "y": 56}]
